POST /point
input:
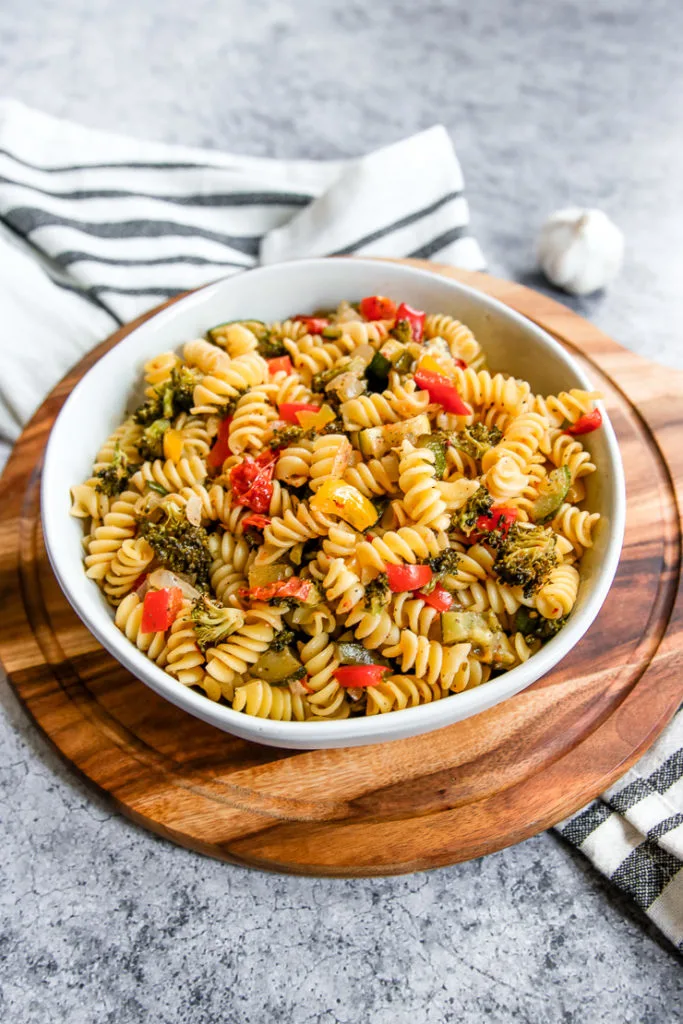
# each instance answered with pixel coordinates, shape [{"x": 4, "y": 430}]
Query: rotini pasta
[{"x": 383, "y": 553}]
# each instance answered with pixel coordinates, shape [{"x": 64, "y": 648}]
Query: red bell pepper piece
[
  {"x": 314, "y": 324},
  {"x": 220, "y": 449},
  {"x": 294, "y": 587},
  {"x": 281, "y": 363},
  {"x": 160, "y": 608},
  {"x": 415, "y": 317},
  {"x": 360, "y": 675},
  {"x": 377, "y": 307},
  {"x": 441, "y": 390},
  {"x": 586, "y": 424},
  {"x": 256, "y": 521},
  {"x": 439, "y": 598},
  {"x": 252, "y": 481},
  {"x": 288, "y": 410},
  {"x": 500, "y": 519},
  {"x": 408, "y": 577}
]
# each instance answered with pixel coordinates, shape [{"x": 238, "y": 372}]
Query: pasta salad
[{"x": 339, "y": 514}]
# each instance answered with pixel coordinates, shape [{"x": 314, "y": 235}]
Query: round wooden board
[{"x": 464, "y": 791}]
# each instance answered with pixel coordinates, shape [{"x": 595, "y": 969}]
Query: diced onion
[
  {"x": 164, "y": 579},
  {"x": 193, "y": 510}
]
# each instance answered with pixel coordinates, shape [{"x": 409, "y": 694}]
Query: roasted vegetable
[
  {"x": 151, "y": 444},
  {"x": 278, "y": 666},
  {"x": 377, "y": 373},
  {"x": 377, "y": 594},
  {"x": 532, "y": 625},
  {"x": 282, "y": 437},
  {"x": 174, "y": 396},
  {"x": 475, "y": 440},
  {"x": 178, "y": 544},
  {"x": 402, "y": 331},
  {"x": 338, "y": 498},
  {"x": 377, "y": 441},
  {"x": 465, "y": 519},
  {"x": 113, "y": 478},
  {"x": 355, "y": 654},
  {"x": 283, "y": 638},
  {"x": 481, "y": 629},
  {"x": 526, "y": 556},
  {"x": 551, "y": 493},
  {"x": 292, "y": 589},
  {"x": 213, "y": 623},
  {"x": 443, "y": 565},
  {"x": 160, "y": 608},
  {"x": 437, "y": 444},
  {"x": 219, "y": 332},
  {"x": 355, "y": 676},
  {"x": 271, "y": 348}
]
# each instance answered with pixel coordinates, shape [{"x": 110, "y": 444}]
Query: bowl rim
[{"x": 362, "y": 729}]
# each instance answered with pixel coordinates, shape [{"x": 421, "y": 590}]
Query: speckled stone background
[{"x": 548, "y": 104}]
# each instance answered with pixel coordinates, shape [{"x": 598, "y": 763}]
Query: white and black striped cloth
[{"x": 96, "y": 228}]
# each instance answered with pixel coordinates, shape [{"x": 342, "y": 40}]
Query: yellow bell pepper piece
[
  {"x": 173, "y": 445},
  {"x": 316, "y": 420},
  {"x": 347, "y": 502},
  {"x": 442, "y": 365}
]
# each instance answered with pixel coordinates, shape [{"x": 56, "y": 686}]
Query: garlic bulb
[{"x": 580, "y": 250}]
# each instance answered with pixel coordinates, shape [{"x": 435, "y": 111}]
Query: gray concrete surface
[{"x": 548, "y": 104}]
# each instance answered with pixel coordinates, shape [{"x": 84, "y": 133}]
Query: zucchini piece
[
  {"x": 377, "y": 373},
  {"x": 257, "y": 327},
  {"x": 551, "y": 493},
  {"x": 376, "y": 441},
  {"x": 435, "y": 444},
  {"x": 404, "y": 361},
  {"x": 276, "y": 666},
  {"x": 392, "y": 349},
  {"x": 356, "y": 654},
  {"x": 467, "y": 627},
  {"x": 262, "y": 575},
  {"x": 483, "y": 631}
]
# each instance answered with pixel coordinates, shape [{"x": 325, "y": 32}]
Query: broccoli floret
[
  {"x": 213, "y": 623},
  {"x": 178, "y": 544},
  {"x": 283, "y": 638},
  {"x": 151, "y": 444},
  {"x": 284, "y": 436},
  {"x": 479, "y": 504},
  {"x": 175, "y": 395},
  {"x": 335, "y": 427},
  {"x": 443, "y": 565},
  {"x": 270, "y": 347},
  {"x": 113, "y": 478},
  {"x": 476, "y": 439},
  {"x": 377, "y": 593},
  {"x": 526, "y": 556},
  {"x": 402, "y": 331},
  {"x": 533, "y": 626},
  {"x": 182, "y": 385}
]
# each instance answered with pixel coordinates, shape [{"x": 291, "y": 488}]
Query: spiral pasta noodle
[
  {"x": 417, "y": 481},
  {"x": 381, "y": 554}
]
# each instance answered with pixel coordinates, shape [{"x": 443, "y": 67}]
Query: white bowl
[{"x": 98, "y": 403}]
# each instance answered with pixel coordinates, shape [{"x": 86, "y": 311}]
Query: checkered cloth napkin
[{"x": 97, "y": 228}]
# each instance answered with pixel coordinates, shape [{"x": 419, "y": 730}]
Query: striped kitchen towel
[
  {"x": 633, "y": 833},
  {"x": 97, "y": 228}
]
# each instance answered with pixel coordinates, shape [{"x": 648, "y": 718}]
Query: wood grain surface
[{"x": 464, "y": 791}]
